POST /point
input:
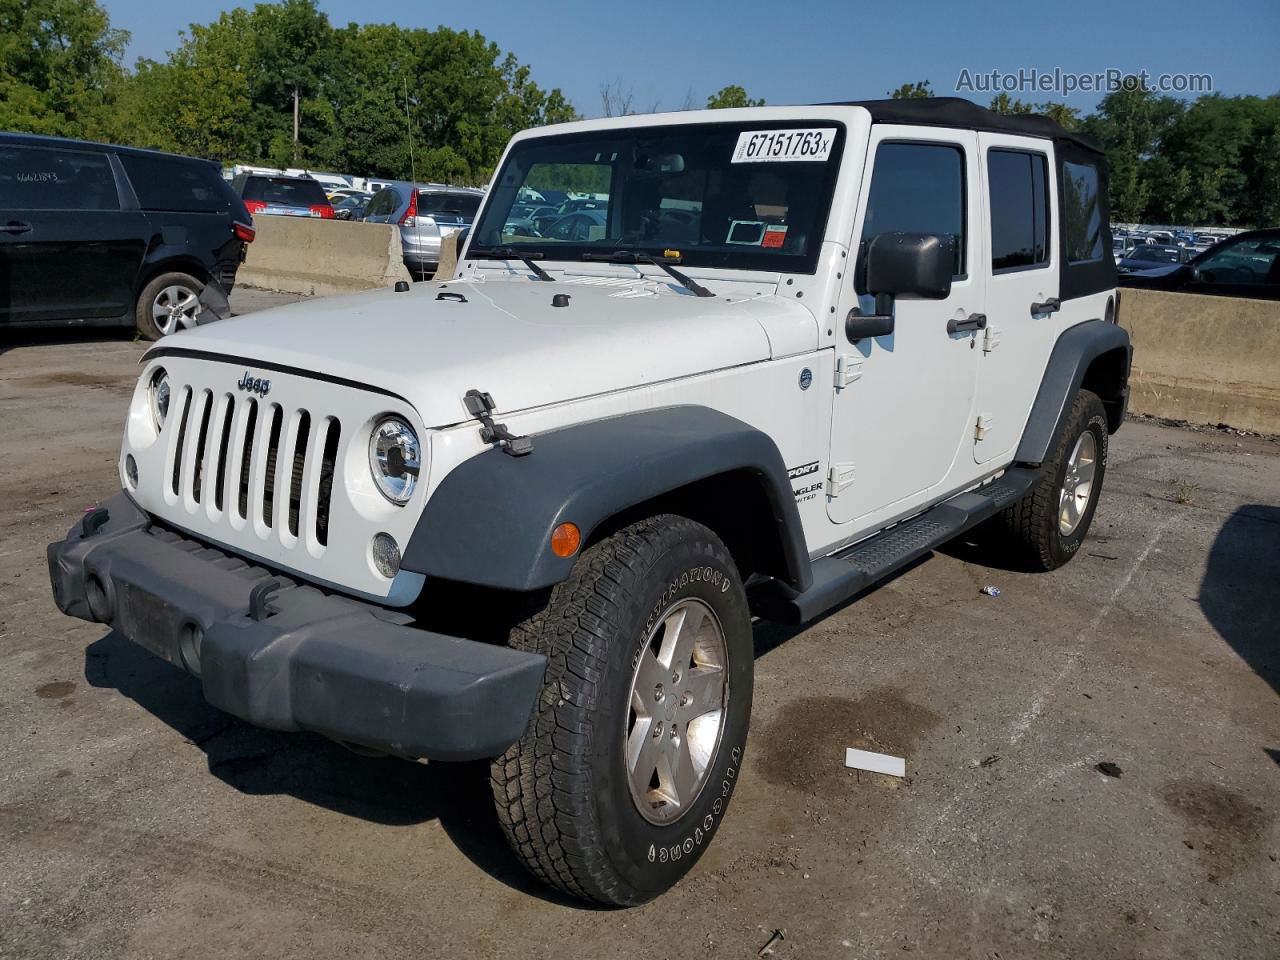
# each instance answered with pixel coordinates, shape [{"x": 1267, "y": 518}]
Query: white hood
[{"x": 508, "y": 339}]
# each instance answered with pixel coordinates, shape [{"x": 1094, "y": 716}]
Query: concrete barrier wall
[
  {"x": 1204, "y": 359},
  {"x": 315, "y": 257}
]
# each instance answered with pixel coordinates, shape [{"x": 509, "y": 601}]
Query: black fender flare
[
  {"x": 489, "y": 522},
  {"x": 1074, "y": 351}
]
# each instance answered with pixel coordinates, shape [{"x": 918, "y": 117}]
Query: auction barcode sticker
[{"x": 775, "y": 146}]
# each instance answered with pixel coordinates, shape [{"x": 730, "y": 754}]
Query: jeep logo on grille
[{"x": 251, "y": 384}]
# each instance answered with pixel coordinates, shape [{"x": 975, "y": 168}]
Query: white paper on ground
[{"x": 875, "y": 762}]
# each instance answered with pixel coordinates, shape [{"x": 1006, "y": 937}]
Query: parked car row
[
  {"x": 1245, "y": 265},
  {"x": 425, "y": 213}
]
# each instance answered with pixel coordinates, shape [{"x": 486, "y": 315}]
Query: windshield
[
  {"x": 285, "y": 190},
  {"x": 717, "y": 195}
]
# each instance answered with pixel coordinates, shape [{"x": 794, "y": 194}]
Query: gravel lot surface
[{"x": 136, "y": 821}]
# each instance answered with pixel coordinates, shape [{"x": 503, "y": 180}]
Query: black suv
[{"x": 105, "y": 235}]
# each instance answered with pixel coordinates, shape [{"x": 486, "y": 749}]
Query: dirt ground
[{"x": 136, "y": 821}]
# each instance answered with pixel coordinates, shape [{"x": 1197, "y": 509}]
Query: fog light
[
  {"x": 386, "y": 555},
  {"x": 131, "y": 470}
]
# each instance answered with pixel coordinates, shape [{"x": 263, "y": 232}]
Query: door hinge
[
  {"x": 839, "y": 478},
  {"x": 848, "y": 369},
  {"x": 990, "y": 338},
  {"x": 982, "y": 426}
]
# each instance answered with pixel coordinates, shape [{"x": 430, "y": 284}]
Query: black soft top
[{"x": 958, "y": 112}]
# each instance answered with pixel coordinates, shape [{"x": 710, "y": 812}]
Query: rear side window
[
  {"x": 382, "y": 204},
  {"x": 162, "y": 183},
  {"x": 458, "y": 204},
  {"x": 918, "y": 188},
  {"x": 1081, "y": 214},
  {"x": 289, "y": 191},
  {"x": 1018, "y": 183},
  {"x": 37, "y": 178}
]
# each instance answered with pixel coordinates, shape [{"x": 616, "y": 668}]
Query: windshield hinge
[{"x": 480, "y": 405}]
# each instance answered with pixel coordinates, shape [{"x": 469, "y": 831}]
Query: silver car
[{"x": 426, "y": 214}]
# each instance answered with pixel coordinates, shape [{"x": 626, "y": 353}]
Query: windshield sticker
[
  {"x": 747, "y": 233},
  {"x": 784, "y": 146},
  {"x": 774, "y": 237}
]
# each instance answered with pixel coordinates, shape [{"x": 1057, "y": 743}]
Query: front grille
[{"x": 241, "y": 458}]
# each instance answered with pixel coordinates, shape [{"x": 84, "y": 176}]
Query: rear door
[
  {"x": 70, "y": 248},
  {"x": 191, "y": 210},
  {"x": 1021, "y": 214}
]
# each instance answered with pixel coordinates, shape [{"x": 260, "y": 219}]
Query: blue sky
[{"x": 815, "y": 51}]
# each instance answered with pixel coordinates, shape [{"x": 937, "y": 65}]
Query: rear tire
[
  {"x": 1045, "y": 529},
  {"x": 632, "y": 640},
  {"x": 165, "y": 303}
]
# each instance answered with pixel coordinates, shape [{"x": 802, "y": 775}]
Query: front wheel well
[
  {"x": 734, "y": 505},
  {"x": 1108, "y": 376}
]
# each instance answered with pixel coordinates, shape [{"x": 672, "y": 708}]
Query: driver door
[{"x": 902, "y": 413}]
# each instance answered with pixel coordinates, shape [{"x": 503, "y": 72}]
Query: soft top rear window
[{"x": 290, "y": 191}]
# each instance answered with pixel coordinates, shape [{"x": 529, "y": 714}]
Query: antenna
[{"x": 413, "y": 179}]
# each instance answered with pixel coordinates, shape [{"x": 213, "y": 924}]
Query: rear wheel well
[
  {"x": 1107, "y": 375},
  {"x": 734, "y": 505},
  {"x": 171, "y": 265}
]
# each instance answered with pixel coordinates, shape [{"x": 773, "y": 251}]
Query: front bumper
[{"x": 296, "y": 658}]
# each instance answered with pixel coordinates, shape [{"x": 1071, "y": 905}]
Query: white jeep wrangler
[{"x": 528, "y": 513}]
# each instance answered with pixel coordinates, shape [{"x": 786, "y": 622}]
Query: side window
[
  {"x": 918, "y": 188},
  {"x": 179, "y": 185},
  {"x": 1018, "y": 185},
  {"x": 380, "y": 205},
  {"x": 1081, "y": 212},
  {"x": 1246, "y": 261},
  {"x": 35, "y": 178}
]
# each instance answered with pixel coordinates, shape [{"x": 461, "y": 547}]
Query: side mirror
[
  {"x": 901, "y": 264},
  {"x": 910, "y": 264}
]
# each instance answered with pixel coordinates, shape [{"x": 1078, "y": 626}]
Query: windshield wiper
[
  {"x": 632, "y": 256},
  {"x": 511, "y": 253}
]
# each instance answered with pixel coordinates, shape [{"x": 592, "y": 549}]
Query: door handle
[
  {"x": 1052, "y": 305},
  {"x": 16, "y": 227},
  {"x": 974, "y": 321}
]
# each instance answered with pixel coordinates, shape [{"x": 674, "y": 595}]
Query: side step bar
[{"x": 838, "y": 577}]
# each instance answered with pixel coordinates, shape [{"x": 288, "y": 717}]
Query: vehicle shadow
[
  {"x": 61, "y": 336},
  {"x": 1239, "y": 594},
  {"x": 259, "y": 762}
]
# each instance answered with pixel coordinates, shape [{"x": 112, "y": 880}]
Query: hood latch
[{"x": 480, "y": 405}]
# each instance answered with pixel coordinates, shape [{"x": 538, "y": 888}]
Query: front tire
[
  {"x": 167, "y": 304},
  {"x": 1045, "y": 529},
  {"x": 631, "y": 757}
]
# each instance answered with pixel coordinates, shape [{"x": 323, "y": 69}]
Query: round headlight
[
  {"x": 158, "y": 392},
  {"x": 395, "y": 459}
]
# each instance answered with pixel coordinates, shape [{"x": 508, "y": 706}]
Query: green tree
[
  {"x": 1003, "y": 103},
  {"x": 227, "y": 93},
  {"x": 1130, "y": 124},
  {"x": 912, "y": 91},
  {"x": 1067, "y": 117},
  {"x": 731, "y": 96},
  {"x": 59, "y": 60}
]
